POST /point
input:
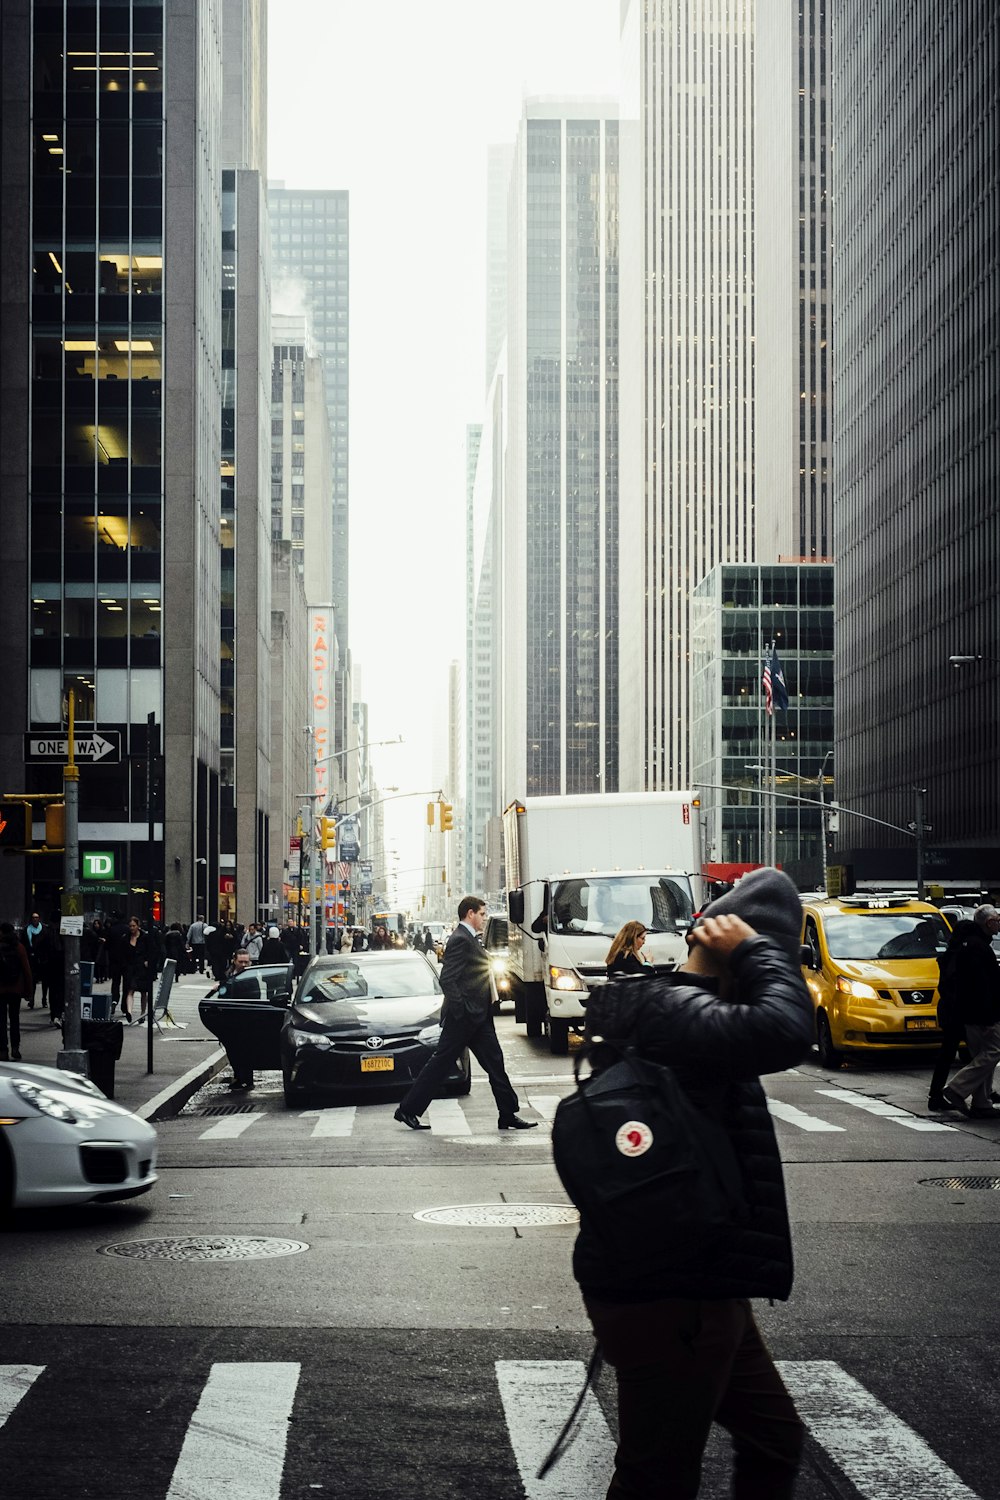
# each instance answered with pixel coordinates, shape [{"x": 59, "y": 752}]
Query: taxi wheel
[{"x": 828, "y": 1055}]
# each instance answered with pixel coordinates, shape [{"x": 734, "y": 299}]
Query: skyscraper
[
  {"x": 917, "y": 445},
  {"x": 310, "y": 267},
  {"x": 560, "y": 507}
]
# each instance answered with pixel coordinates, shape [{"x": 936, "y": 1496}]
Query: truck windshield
[
  {"x": 601, "y": 905},
  {"x": 885, "y": 935}
]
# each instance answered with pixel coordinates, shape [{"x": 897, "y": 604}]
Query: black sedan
[
  {"x": 246, "y": 1013},
  {"x": 364, "y": 1021}
]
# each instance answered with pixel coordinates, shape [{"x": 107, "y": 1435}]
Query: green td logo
[{"x": 99, "y": 865}]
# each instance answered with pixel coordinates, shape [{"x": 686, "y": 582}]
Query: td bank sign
[{"x": 98, "y": 864}]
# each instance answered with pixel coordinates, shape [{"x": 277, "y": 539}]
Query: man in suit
[{"x": 466, "y": 1021}]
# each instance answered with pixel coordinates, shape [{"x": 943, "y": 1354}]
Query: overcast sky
[{"x": 397, "y": 102}]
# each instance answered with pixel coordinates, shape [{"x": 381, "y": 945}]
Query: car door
[{"x": 246, "y": 1014}]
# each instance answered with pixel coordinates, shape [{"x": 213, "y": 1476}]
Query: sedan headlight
[
  {"x": 45, "y": 1102},
  {"x": 499, "y": 965},
  {"x": 315, "y": 1039},
  {"x": 430, "y": 1036},
  {"x": 857, "y": 988},
  {"x": 565, "y": 979}
]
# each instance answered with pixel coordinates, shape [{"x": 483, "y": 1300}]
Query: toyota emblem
[{"x": 374, "y": 1042}]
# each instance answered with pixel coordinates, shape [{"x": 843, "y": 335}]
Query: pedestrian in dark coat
[
  {"x": 174, "y": 946},
  {"x": 625, "y": 953},
  {"x": 975, "y": 997},
  {"x": 686, "y": 1349},
  {"x": 466, "y": 1021},
  {"x": 16, "y": 984},
  {"x": 119, "y": 957},
  {"x": 272, "y": 949},
  {"x": 52, "y": 959},
  {"x": 137, "y": 969}
]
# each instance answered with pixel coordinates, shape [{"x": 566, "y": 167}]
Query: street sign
[
  {"x": 104, "y": 888},
  {"x": 71, "y": 904},
  {"x": 295, "y": 843},
  {"x": 106, "y": 746}
]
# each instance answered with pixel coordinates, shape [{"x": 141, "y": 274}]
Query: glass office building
[
  {"x": 561, "y": 512},
  {"x": 736, "y": 611}
]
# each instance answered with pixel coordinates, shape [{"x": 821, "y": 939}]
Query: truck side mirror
[{"x": 515, "y": 906}]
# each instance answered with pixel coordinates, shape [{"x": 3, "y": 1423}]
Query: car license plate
[
  {"x": 377, "y": 1064},
  {"x": 920, "y": 1023}
]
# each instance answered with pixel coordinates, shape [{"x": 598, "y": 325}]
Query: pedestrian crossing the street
[
  {"x": 235, "y": 1442},
  {"x": 821, "y": 1111}
]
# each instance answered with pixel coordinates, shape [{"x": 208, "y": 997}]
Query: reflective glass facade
[
  {"x": 570, "y": 279},
  {"x": 736, "y": 611}
]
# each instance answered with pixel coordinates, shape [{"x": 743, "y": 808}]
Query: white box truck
[{"x": 578, "y": 869}]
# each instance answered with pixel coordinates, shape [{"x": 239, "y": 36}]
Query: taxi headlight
[
  {"x": 45, "y": 1102},
  {"x": 857, "y": 988},
  {"x": 315, "y": 1039},
  {"x": 565, "y": 979}
]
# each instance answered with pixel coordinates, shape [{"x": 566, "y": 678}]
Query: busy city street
[{"x": 397, "y": 1346}]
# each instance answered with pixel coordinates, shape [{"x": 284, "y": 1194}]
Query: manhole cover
[
  {"x": 963, "y": 1184},
  {"x": 500, "y": 1215},
  {"x": 206, "y": 1247}
]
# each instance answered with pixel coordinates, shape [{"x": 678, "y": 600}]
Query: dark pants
[
  {"x": 198, "y": 957},
  {"x": 952, "y": 1037},
  {"x": 118, "y": 976},
  {"x": 10, "y": 1014},
  {"x": 681, "y": 1366},
  {"x": 458, "y": 1032}
]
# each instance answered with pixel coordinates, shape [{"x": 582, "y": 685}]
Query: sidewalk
[{"x": 185, "y": 1055}]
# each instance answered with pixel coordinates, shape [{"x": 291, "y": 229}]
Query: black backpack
[
  {"x": 654, "y": 1176},
  {"x": 10, "y": 964}
]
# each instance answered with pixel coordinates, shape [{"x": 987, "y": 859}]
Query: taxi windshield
[
  {"x": 885, "y": 934},
  {"x": 377, "y": 981}
]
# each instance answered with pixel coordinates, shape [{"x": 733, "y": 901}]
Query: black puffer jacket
[
  {"x": 717, "y": 1049},
  {"x": 970, "y": 978}
]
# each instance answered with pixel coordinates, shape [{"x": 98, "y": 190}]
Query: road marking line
[
  {"x": 884, "y": 1111},
  {"x": 448, "y": 1118},
  {"x": 538, "y": 1396},
  {"x": 882, "y": 1457},
  {"x": 229, "y": 1129},
  {"x": 332, "y": 1121},
  {"x": 793, "y": 1116},
  {"x": 544, "y": 1104},
  {"x": 235, "y": 1441},
  {"x": 15, "y": 1382}
]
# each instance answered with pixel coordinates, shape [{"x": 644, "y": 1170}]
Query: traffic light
[
  {"x": 328, "y": 833},
  {"x": 445, "y": 812},
  {"x": 430, "y": 815},
  {"x": 55, "y": 825},
  {"x": 15, "y": 825}
]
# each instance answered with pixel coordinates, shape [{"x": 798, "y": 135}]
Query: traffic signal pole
[{"x": 72, "y": 1057}]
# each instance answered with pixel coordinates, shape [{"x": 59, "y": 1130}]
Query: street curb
[{"x": 171, "y": 1100}]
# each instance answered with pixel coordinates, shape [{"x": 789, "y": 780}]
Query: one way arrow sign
[{"x": 105, "y": 746}]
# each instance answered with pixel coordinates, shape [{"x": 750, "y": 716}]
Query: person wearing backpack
[
  {"x": 669, "y": 1302},
  {"x": 16, "y": 984}
]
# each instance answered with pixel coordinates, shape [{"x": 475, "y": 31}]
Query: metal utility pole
[
  {"x": 72, "y": 1057},
  {"x": 918, "y": 828}
]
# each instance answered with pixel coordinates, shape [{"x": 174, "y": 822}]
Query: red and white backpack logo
[{"x": 633, "y": 1138}]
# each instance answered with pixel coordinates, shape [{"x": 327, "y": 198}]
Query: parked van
[{"x": 873, "y": 973}]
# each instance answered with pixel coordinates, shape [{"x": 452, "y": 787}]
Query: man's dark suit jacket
[{"x": 465, "y": 975}]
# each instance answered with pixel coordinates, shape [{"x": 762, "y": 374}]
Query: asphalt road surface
[{"x": 391, "y": 1350}]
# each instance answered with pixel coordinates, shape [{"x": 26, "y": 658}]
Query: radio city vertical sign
[{"x": 322, "y": 662}]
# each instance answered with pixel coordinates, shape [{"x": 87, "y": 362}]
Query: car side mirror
[
  {"x": 281, "y": 1001},
  {"x": 515, "y": 906},
  {"x": 807, "y": 957}
]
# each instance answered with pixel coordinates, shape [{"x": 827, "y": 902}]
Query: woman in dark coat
[
  {"x": 137, "y": 954},
  {"x": 625, "y": 954}
]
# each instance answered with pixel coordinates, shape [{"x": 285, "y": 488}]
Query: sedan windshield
[
  {"x": 600, "y": 906},
  {"x": 376, "y": 981},
  {"x": 886, "y": 935}
]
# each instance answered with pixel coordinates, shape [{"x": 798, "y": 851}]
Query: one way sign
[{"x": 106, "y": 746}]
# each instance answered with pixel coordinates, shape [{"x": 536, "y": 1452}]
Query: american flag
[
  {"x": 345, "y": 870},
  {"x": 773, "y": 682}
]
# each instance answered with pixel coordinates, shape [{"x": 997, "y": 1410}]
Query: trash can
[{"x": 102, "y": 1042}]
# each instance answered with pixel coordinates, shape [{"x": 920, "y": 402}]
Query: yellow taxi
[{"x": 872, "y": 972}]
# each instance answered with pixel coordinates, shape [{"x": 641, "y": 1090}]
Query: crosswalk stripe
[
  {"x": 15, "y": 1382},
  {"x": 538, "y": 1396},
  {"x": 544, "y": 1104},
  {"x": 235, "y": 1442},
  {"x": 447, "y": 1117},
  {"x": 230, "y": 1128},
  {"x": 882, "y": 1457},
  {"x": 793, "y": 1116},
  {"x": 885, "y": 1111},
  {"x": 331, "y": 1122}
]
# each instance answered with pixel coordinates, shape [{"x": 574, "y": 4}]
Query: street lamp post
[{"x": 822, "y": 815}]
